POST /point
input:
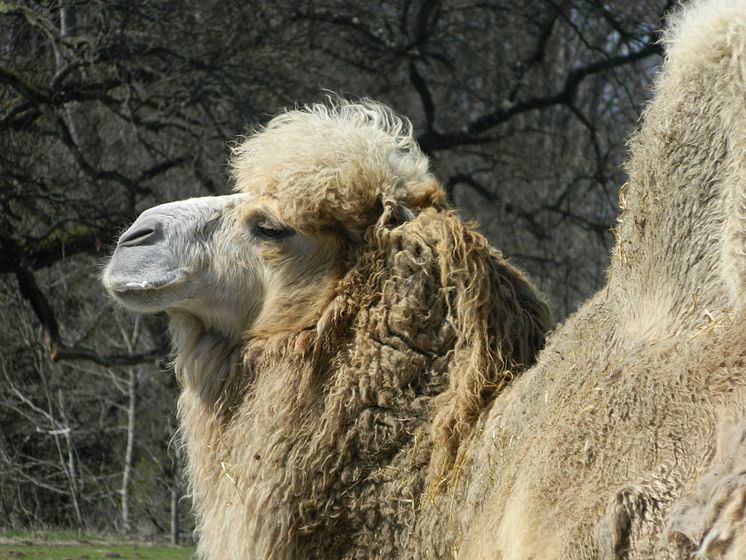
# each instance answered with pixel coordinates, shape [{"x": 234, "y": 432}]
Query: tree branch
[
  {"x": 537, "y": 55},
  {"x": 58, "y": 350},
  {"x": 90, "y": 170},
  {"x": 419, "y": 83},
  {"x": 432, "y": 140},
  {"x": 327, "y": 16},
  {"x": 56, "y": 246},
  {"x": 469, "y": 180}
]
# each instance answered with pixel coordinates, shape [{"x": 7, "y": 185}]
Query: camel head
[
  {"x": 233, "y": 262},
  {"x": 266, "y": 259}
]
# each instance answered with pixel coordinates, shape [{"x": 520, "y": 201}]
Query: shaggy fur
[
  {"x": 626, "y": 441},
  {"x": 322, "y": 435}
]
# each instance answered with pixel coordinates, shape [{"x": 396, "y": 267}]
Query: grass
[{"x": 70, "y": 545}]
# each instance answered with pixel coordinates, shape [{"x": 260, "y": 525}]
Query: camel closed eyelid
[{"x": 271, "y": 232}]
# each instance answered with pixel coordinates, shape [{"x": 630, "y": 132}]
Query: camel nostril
[{"x": 139, "y": 236}]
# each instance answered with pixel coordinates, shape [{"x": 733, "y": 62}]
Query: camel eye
[{"x": 271, "y": 232}]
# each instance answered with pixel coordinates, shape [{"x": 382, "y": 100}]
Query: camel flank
[
  {"x": 628, "y": 438},
  {"x": 338, "y": 332},
  {"x": 349, "y": 390}
]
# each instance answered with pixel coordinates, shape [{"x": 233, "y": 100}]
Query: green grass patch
[
  {"x": 50, "y": 535},
  {"x": 70, "y": 545}
]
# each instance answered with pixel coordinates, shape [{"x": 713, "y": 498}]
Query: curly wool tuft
[{"x": 331, "y": 163}]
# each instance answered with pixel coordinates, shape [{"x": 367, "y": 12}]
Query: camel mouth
[
  {"x": 143, "y": 286},
  {"x": 169, "y": 279},
  {"x": 147, "y": 294}
]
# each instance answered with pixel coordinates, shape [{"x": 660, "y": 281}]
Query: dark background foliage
[{"x": 108, "y": 108}]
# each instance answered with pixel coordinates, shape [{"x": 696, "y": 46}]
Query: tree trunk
[
  {"x": 130, "y": 450},
  {"x": 175, "y": 515},
  {"x": 72, "y": 470}
]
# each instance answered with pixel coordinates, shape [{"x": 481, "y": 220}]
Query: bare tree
[{"x": 130, "y": 341}]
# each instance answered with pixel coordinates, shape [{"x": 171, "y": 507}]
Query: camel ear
[{"x": 393, "y": 213}]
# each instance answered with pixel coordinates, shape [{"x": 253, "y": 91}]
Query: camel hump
[
  {"x": 684, "y": 208},
  {"x": 707, "y": 32},
  {"x": 706, "y": 47}
]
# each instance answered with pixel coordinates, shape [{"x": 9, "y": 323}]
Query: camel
[
  {"x": 338, "y": 332},
  {"x": 356, "y": 362}
]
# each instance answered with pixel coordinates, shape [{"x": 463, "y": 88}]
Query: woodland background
[{"x": 110, "y": 107}]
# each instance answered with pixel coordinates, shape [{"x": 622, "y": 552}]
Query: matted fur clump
[
  {"x": 344, "y": 164},
  {"x": 354, "y": 423}
]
